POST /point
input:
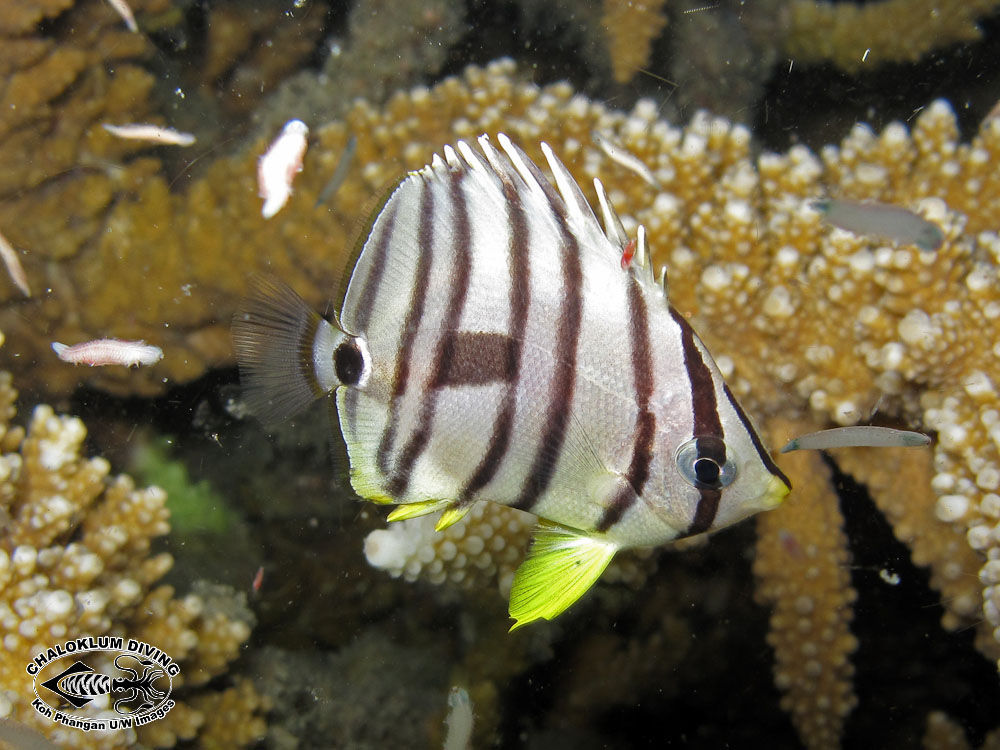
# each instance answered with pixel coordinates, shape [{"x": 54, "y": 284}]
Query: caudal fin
[{"x": 284, "y": 350}]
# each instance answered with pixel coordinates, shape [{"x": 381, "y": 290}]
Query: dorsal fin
[
  {"x": 613, "y": 228},
  {"x": 578, "y": 208}
]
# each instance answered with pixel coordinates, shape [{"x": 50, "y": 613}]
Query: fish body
[
  {"x": 101, "y": 352},
  {"x": 491, "y": 346},
  {"x": 881, "y": 220},
  {"x": 12, "y": 261},
  {"x": 151, "y": 133},
  {"x": 277, "y": 168}
]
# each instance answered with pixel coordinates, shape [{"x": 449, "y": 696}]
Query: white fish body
[
  {"x": 12, "y": 262},
  {"x": 153, "y": 133},
  {"x": 122, "y": 9},
  {"x": 492, "y": 347},
  {"x": 277, "y": 168},
  {"x": 101, "y": 352}
]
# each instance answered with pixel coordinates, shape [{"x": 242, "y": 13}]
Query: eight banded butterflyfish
[{"x": 492, "y": 346}]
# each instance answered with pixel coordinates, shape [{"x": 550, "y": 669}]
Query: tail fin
[{"x": 284, "y": 350}]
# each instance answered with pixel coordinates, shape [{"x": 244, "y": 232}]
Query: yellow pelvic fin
[
  {"x": 413, "y": 510},
  {"x": 452, "y": 515},
  {"x": 560, "y": 567}
]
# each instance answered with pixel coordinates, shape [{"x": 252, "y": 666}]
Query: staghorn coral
[
  {"x": 802, "y": 565},
  {"x": 852, "y": 36},
  {"x": 631, "y": 28},
  {"x": 75, "y": 561}
]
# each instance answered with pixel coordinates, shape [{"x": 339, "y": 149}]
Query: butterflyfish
[{"x": 492, "y": 346}]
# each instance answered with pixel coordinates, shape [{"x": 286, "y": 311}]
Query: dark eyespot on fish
[
  {"x": 479, "y": 356},
  {"x": 881, "y": 220},
  {"x": 860, "y": 436}
]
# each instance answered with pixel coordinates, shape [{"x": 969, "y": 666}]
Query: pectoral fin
[{"x": 560, "y": 567}]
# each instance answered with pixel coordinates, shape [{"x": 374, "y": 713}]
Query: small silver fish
[
  {"x": 493, "y": 345},
  {"x": 857, "y": 436},
  {"x": 339, "y": 173},
  {"x": 625, "y": 158},
  {"x": 881, "y": 220}
]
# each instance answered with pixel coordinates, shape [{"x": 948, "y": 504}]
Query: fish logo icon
[
  {"x": 79, "y": 684},
  {"x": 103, "y": 683}
]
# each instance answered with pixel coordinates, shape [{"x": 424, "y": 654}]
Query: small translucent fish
[
  {"x": 13, "y": 263},
  {"x": 151, "y": 133},
  {"x": 339, "y": 173},
  {"x": 122, "y": 9},
  {"x": 102, "y": 352},
  {"x": 258, "y": 580},
  {"x": 626, "y": 159},
  {"x": 882, "y": 220},
  {"x": 493, "y": 347},
  {"x": 860, "y": 436},
  {"x": 277, "y": 168}
]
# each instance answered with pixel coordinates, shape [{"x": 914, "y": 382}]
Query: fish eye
[
  {"x": 702, "y": 462},
  {"x": 349, "y": 362}
]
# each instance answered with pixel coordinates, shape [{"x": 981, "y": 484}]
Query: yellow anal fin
[
  {"x": 452, "y": 515},
  {"x": 559, "y": 569},
  {"x": 414, "y": 510}
]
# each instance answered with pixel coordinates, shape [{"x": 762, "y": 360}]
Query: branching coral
[
  {"x": 631, "y": 28},
  {"x": 75, "y": 561},
  {"x": 852, "y": 36}
]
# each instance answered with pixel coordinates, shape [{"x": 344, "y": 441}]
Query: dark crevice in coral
[
  {"x": 819, "y": 104},
  {"x": 682, "y": 663},
  {"x": 499, "y": 29},
  {"x": 906, "y": 665}
]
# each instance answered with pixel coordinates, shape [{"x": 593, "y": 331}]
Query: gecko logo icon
[{"x": 103, "y": 683}]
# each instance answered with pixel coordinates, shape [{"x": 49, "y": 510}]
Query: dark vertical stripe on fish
[
  {"x": 704, "y": 515},
  {"x": 444, "y": 347},
  {"x": 557, "y": 413},
  {"x": 765, "y": 457},
  {"x": 369, "y": 293},
  {"x": 706, "y": 420},
  {"x": 645, "y": 421},
  {"x": 520, "y": 300},
  {"x": 418, "y": 297}
]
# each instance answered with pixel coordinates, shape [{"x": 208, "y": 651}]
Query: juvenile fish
[
  {"x": 277, "y": 168},
  {"x": 492, "y": 346},
  {"x": 625, "y": 158},
  {"x": 339, "y": 173},
  {"x": 882, "y": 220},
  {"x": 151, "y": 133},
  {"x": 122, "y": 9},
  {"x": 12, "y": 261},
  {"x": 102, "y": 352},
  {"x": 859, "y": 436}
]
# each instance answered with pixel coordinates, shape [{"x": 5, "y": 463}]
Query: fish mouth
[{"x": 773, "y": 495}]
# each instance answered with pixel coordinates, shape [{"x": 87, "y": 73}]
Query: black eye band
[{"x": 702, "y": 462}]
